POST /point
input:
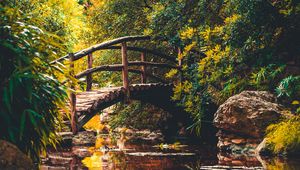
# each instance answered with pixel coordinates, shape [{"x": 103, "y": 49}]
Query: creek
[{"x": 112, "y": 151}]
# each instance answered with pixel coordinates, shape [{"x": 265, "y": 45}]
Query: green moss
[{"x": 284, "y": 137}]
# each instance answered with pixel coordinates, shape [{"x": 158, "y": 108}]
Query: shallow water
[{"x": 123, "y": 153}]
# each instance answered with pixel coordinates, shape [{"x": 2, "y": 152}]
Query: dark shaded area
[{"x": 175, "y": 127}]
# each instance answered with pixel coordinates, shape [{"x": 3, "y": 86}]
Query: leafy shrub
[
  {"x": 139, "y": 116},
  {"x": 284, "y": 137},
  {"x": 29, "y": 90},
  {"x": 289, "y": 92}
]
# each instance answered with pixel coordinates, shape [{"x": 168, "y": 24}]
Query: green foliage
[
  {"x": 284, "y": 137},
  {"x": 139, "y": 116},
  {"x": 30, "y": 93},
  {"x": 289, "y": 92},
  {"x": 245, "y": 47},
  {"x": 289, "y": 87}
]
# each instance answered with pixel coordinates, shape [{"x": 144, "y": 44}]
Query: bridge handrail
[
  {"x": 109, "y": 45},
  {"x": 145, "y": 50},
  {"x": 117, "y": 67}
]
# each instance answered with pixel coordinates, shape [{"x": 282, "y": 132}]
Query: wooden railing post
[
  {"x": 143, "y": 69},
  {"x": 125, "y": 70},
  {"x": 72, "y": 96},
  {"x": 89, "y": 79}
]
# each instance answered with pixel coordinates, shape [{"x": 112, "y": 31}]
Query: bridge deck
[
  {"x": 90, "y": 100},
  {"x": 86, "y": 100}
]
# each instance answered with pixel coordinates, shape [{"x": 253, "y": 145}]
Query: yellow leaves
[
  {"x": 95, "y": 161},
  {"x": 295, "y": 102},
  {"x": 202, "y": 64},
  {"x": 191, "y": 103},
  {"x": 177, "y": 92},
  {"x": 206, "y": 34},
  {"x": 180, "y": 88},
  {"x": 187, "y": 86},
  {"x": 158, "y": 7},
  {"x": 232, "y": 19},
  {"x": 188, "y": 104},
  {"x": 97, "y": 3},
  {"x": 148, "y": 31},
  {"x": 171, "y": 73},
  {"x": 94, "y": 124},
  {"x": 228, "y": 70},
  {"x": 284, "y": 136},
  {"x": 188, "y": 33},
  {"x": 187, "y": 49},
  {"x": 217, "y": 29},
  {"x": 99, "y": 143},
  {"x": 215, "y": 54}
]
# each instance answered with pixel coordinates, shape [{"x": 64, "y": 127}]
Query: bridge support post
[
  {"x": 89, "y": 79},
  {"x": 72, "y": 96},
  {"x": 143, "y": 69},
  {"x": 125, "y": 71}
]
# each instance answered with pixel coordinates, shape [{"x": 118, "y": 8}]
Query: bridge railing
[{"x": 124, "y": 67}]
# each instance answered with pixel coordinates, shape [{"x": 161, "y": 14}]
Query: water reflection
[{"x": 124, "y": 152}]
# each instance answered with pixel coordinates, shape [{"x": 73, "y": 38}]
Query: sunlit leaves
[
  {"x": 95, "y": 161},
  {"x": 30, "y": 92},
  {"x": 284, "y": 137},
  {"x": 94, "y": 124}
]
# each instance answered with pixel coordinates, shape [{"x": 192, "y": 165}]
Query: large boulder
[
  {"x": 248, "y": 113},
  {"x": 12, "y": 158}
]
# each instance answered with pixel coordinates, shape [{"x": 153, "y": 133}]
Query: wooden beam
[
  {"x": 116, "y": 67},
  {"x": 72, "y": 96},
  {"x": 143, "y": 69},
  {"x": 89, "y": 79},
  {"x": 125, "y": 71},
  {"x": 105, "y": 44},
  {"x": 145, "y": 50},
  {"x": 144, "y": 63}
]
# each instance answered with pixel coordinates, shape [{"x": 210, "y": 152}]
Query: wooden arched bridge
[{"x": 84, "y": 105}]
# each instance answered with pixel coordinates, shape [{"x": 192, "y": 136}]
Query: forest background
[{"x": 227, "y": 46}]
